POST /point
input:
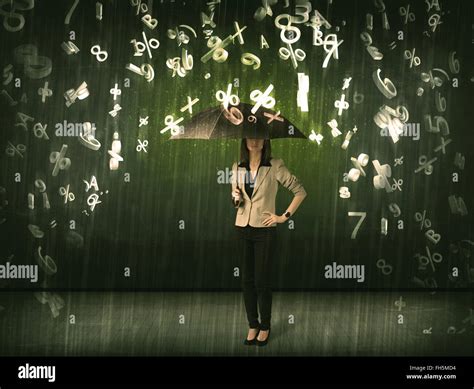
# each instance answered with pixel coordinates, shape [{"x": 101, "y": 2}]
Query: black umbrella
[{"x": 238, "y": 122}]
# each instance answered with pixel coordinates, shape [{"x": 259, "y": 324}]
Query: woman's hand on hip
[{"x": 272, "y": 219}]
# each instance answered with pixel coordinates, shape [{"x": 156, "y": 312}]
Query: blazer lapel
[{"x": 262, "y": 173}]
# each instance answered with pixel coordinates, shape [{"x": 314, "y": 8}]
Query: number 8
[{"x": 284, "y": 28}]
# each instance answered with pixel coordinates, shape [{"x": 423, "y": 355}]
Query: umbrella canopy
[{"x": 238, "y": 122}]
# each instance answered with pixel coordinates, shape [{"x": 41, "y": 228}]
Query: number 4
[{"x": 362, "y": 216}]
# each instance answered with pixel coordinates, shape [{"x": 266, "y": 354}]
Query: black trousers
[{"x": 257, "y": 253}]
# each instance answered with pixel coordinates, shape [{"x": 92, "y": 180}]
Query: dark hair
[{"x": 266, "y": 152}]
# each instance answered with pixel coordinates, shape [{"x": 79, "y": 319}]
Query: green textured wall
[{"x": 137, "y": 223}]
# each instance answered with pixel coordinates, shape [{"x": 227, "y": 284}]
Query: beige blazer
[{"x": 250, "y": 209}]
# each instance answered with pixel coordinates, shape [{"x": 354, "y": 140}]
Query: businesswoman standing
[{"x": 254, "y": 187}]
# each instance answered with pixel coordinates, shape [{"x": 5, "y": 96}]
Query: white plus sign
[
  {"x": 190, "y": 104},
  {"x": 347, "y": 82},
  {"x": 115, "y": 91},
  {"x": 341, "y": 104}
]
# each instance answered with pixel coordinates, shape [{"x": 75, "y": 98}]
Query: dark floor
[{"x": 303, "y": 323}]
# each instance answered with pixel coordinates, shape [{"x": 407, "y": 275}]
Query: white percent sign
[
  {"x": 426, "y": 165},
  {"x": 59, "y": 160},
  {"x": 429, "y": 259},
  {"x": 172, "y": 125},
  {"x": 262, "y": 99},
  {"x": 147, "y": 45},
  {"x": 381, "y": 179},
  {"x": 142, "y": 145},
  {"x": 68, "y": 196},
  {"x": 141, "y": 7},
  {"x": 359, "y": 164},
  {"x": 295, "y": 56},
  {"x": 227, "y": 98},
  {"x": 11, "y": 150}
]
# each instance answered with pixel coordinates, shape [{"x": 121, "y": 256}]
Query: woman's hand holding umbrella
[{"x": 236, "y": 195}]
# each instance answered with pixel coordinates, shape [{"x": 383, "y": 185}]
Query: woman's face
[{"x": 255, "y": 144}]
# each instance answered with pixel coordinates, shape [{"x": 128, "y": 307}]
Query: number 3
[{"x": 302, "y": 10}]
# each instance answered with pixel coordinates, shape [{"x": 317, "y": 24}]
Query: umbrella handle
[
  {"x": 241, "y": 199},
  {"x": 238, "y": 186},
  {"x": 240, "y": 196}
]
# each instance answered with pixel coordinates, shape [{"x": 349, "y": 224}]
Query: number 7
[
  {"x": 362, "y": 217},
  {"x": 67, "y": 19}
]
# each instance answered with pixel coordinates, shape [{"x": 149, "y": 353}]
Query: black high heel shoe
[
  {"x": 264, "y": 342},
  {"x": 252, "y": 341}
]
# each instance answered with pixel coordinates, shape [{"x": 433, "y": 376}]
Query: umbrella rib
[{"x": 214, "y": 126}]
